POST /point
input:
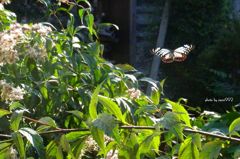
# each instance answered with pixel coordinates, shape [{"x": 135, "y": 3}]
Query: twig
[
  {"x": 62, "y": 131},
  {"x": 59, "y": 130},
  {"x": 188, "y": 130},
  {"x": 212, "y": 135}
]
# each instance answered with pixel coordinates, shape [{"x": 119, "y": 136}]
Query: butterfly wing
[
  {"x": 165, "y": 54},
  {"x": 180, "y": 54}
]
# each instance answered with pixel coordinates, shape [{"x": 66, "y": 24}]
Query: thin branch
[
  {"x": 212, "y": 135},
  {"x": 59, "y": 130},
  {"x": 188, "y": 130},
  {"x": 62, "y": 131}
]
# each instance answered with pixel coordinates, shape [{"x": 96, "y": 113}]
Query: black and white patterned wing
[
  {"x": 165, "y": 55},
  {"x": 161, "y": 52},
  {"x": 180, "y": 54},
  {"x": 185, "y": 49}
]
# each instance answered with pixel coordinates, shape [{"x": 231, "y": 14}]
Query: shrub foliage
[{"x": 61, "y": 99}]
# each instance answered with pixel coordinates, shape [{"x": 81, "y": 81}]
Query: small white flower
[
  {"x": 64, "y": 1},
  {"x": 10, "y": 93},
  {"x": 134, "y": 93}
]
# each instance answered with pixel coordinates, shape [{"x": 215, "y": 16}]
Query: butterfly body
[{"x": 169, "y": 56}]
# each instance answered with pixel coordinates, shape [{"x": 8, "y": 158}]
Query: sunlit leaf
[
  {"x": 44, "y": 92},
  {"x": 16, "y": 119},
  {"x": 126, "y": 67},
  {"x": 235, "y": 126},
  {"x": 93, "y": 103},
  {"x": 18, "y": 141},
  {"x": 111, "y": 106},
  {"x": 4, "y": 112},
  {"x": 211, "y": 150},
  {"x": 35, "y": 139},
  {"x": 50, "y": 123},
  {"x": 171, "y": 121},
  {"x": 77, "y": 113},
  {"x": 188, "y": 149},
  {"x": 81, "y": 13},
  {"x": 90, "y": 21},
  {"x": 65, "y": 145},
  {"x": 108, "y": 124},
  {"x": 155, "y": 95},
  {"x": 51, "y": 149},
  {"x": 16, "y": 105},
  {"x": 59, "y": 154},
  {"x": 98, "y": 136},
  {"x": 147, "y": 144},
  {"x": 181, "y": 112},
  {"x": 73, "y": 136}
]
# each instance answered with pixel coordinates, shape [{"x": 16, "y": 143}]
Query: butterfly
[{"x": 168, "y": 56}]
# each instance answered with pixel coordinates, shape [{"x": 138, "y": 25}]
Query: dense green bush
[{"x": 61, "y": 99}]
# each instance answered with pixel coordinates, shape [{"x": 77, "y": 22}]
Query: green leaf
[
  {"x": 196, "y": 139},
  {"x": 81, "y": 14},
  {"x": 4, "y": 150},
  {"x": 44, "y": 92},
  {"x": 234, "y": 127},
  {"x": 181, "y": 112},
  {"x": 93, "y": 103},
  {"x": 155, "y": 95},
  {"x": 188, "y": 149},
  {"x": 211, "y": 150},
  {"x": 4, "y": 145},
  {"x": 108, "y": 124},
  {"x": 4, "y": 112},
  {"x": 59, "y": 154},
  {"x": 16, "y": 105},
  {"x": 74, "y": 136},
  {"x": 98, "y": 136},
  {"x": 172, "y": 122},
  {"x": 125, "y": 67},
  {"x": 35, "y": 139},
  {"x": 64, "y": 144},
  {"x": 146, "y": 109},
  {"x": 51, "y": 149},
  {"x": 90, "y": 21},
  {"x": 147, "y": 144},
  {"x": 111, "y": 106},
  {"x": 150, "y": 81},
  {"x": 16, "y": 119},
  {"x": 77, "y": 113},
  {"x": 18, "y": 141},
  {"x": 50, "y": 123}
]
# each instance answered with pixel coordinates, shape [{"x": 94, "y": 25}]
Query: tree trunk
[{"x": 160, "y": 42}]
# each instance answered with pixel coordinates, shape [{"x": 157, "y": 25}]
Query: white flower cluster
[
  {"x": 64, "y": 1},
  {"x": 134, "y": 93},
  {"x": 23, "y": 34},
  {"x": 5, "y": 1},
  {"x": 10, "y": 93}
]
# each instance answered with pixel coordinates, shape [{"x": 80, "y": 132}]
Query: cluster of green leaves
[{"x": 75, "y": 96}]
